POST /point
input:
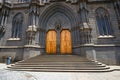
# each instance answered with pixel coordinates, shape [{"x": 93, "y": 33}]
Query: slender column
[
  {"x": 6, "y": 20},
  {"x": 18, "y": 28},
  {"x": 13, "y": 28},
  {"x": 72, "y": 38},
  {"x": 94, "y": 55},
  {"x": 75, "y": 37},
  {"x": 1, "y": 15},
  {"x": 58, "y": 42},
  {"x": 39, "y": 38},
  {"x": 78, "y": 36},
  {"x": 44, "y": 40},
  {"x": 2, "y": 18}
]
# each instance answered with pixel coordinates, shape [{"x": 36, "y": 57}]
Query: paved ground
[{"x": 18, "y": 75}]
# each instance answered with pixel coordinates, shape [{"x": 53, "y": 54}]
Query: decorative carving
[
  {"x": 58, "y": 20},
  {"x": 26, "y": 11},
  {"x": 58, "y": 25},
  {"x": 2, "y": 31},
  {"x": 4, "y": 12},
  {"x": 31, "y": 34}
]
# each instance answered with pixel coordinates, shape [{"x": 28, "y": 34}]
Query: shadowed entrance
[{"x": 65, "y": 42}]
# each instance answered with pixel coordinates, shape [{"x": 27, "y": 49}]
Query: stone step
[
  {"x": 64, "y": 68},
  {"x": 58, "y": 63},
  {"x": 56, "y": 70},
  {"x": 55, "y": 65},
  {"x": 58, "y": 58}
]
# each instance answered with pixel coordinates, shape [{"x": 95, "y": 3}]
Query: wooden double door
[{"x": 65, "y": 42}]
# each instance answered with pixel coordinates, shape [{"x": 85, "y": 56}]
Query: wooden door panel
[
  {"x": 51, "y": 42},
  {"x": 65, "y": 42}
]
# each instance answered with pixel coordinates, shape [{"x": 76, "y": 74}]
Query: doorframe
[{"x": 60, "y": 38}]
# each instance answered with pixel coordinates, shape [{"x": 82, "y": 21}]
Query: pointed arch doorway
[{"x": 65, "y": 42}]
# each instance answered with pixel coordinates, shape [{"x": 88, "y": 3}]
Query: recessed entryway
[{"x": 65, "y": 42}]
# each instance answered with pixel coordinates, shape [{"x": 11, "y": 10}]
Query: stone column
[{"x": 58, "y": 42}]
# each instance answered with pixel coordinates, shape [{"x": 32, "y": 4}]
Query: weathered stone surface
[{"x": 67, "y": 14}]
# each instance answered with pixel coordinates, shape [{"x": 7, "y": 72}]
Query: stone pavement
[{"x": 23, "y": 75}]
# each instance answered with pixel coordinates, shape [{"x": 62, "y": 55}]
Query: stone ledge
[
  {"x": 95, "y": 45},
  {"x": 14, "y": 39},
  {"x": 9, "y": 47},
  {"x": 106, "y": 37},
  {"x": 32, "y": 46},
  {"x": 84, "y": 45},
  {"x": 25, "y": 46}
]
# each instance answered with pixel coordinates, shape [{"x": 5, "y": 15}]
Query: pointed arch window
[
  {"x": 17, "y": 25},
  {"x": 103, "y": 22}
]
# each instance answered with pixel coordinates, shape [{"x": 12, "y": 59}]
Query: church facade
[{"x": 88, "y": 28}]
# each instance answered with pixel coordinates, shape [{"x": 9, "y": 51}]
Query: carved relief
[{"x": 57, "y": 21}]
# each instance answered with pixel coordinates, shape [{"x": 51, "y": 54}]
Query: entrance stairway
[{"x": 59, "y": 63}]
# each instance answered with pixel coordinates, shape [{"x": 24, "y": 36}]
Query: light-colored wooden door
[
  {"x": 51, "y": 42},
  {"x": 65, "y": 42}
]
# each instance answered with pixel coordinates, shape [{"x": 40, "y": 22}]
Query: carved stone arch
[
  {"x": 55, "y": 8},
  {"x": 59, "y": 11},
  {"x": 58, "y": 20},
  {"x": 18, "y": 16},
  {"x": 101, "y": 10}
]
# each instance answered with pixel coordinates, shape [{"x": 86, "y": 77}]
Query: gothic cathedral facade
[{"x": 88, "y": 28}]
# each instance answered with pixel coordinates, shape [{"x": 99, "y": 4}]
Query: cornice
[
  {"x": 98, "y": 2},
  {"x": 97, "y": 45},
  {"x": 17, "y": 47},
  {"x": 78, "y": 46}
]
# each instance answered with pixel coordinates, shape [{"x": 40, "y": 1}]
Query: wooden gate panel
[
  {"x": 65, "y": 42},
  {"x": 51, "y": 42}
]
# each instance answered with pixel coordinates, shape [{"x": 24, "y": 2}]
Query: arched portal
[
  {"x": 57, "y": 8},
  {"x": 60, "y": 18}
]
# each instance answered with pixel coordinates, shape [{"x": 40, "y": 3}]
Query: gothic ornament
[{"x": 2, "y": 31}]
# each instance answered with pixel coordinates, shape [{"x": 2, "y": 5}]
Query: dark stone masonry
[{"x": 94, "y": 27}]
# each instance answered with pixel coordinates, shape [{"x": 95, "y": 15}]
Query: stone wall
[
  {"x": 15, "y": 53},
  {"x": 107, "y": 54}
]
